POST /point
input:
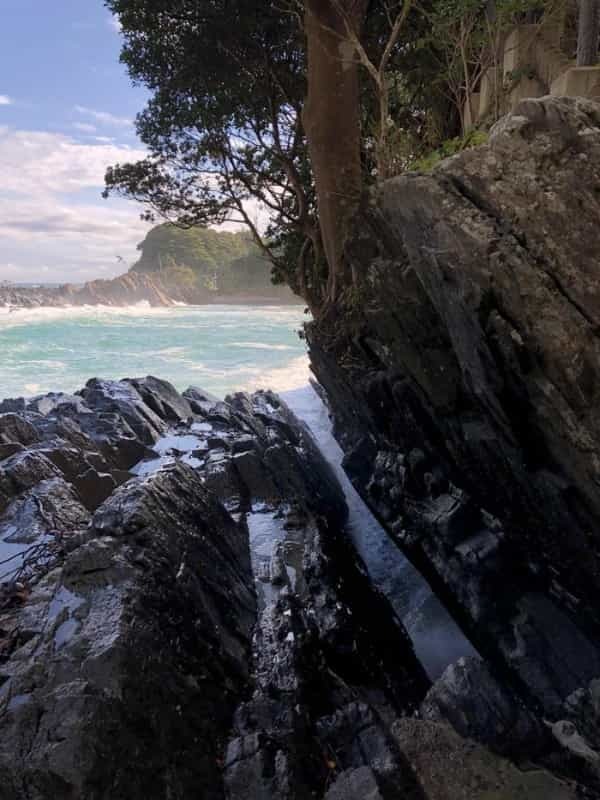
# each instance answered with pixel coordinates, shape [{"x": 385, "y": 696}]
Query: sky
[{"x": 66, "y": 112}]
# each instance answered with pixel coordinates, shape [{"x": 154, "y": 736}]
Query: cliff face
[
  {"x": 464, "y": 378},
  {"x": 123, "y": 290}
]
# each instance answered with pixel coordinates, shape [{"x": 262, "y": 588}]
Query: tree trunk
[
  {"x": 587, "y": 35},
  {"x": 331, "y": 119}
]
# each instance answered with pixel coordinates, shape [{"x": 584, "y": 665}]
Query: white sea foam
[
  {"x": 261, "y": 346},
  {"x": 222, "y": 348},
  {"x": 282, "y": 379}
]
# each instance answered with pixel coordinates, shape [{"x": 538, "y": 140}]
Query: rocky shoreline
[
  {"x": 130, "y": 289},
  {"x": 183, "y": 614},
  {"x": 468, "y": 412}
]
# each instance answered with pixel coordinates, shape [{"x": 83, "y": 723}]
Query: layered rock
[
  {"x": 135, "y": 661},
  {"x": 465, "y": 385},
  {"x": 134, "y": 288},
  {"x": 129, "y": 289}
]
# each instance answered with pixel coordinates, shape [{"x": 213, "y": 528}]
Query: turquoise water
[{"x": 220, "y": 348}]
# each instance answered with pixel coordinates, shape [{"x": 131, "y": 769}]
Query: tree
[
  {"x": 588, "y": 33},
  {"x": 332, "y": 121},
  {"x": 223, "y": 126},
  {"x": 228, "y": 124},
  {"x": 259, "y": 110}
]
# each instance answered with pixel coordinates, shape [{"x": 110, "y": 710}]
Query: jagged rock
[
  {"x": 480, "y": 707},
  {"x": 9, "y": 449},
  {"x": 51, "y": 506},
  {"x": 451, "y": 768},
  {"x": 123, "y": 399},
  {"x": 22, "y": 471},
  {"x": 163, "y": 399},
  {"x": 201, "y": 402},
  {"x": 16, "y": 428},
  {"x": 138, "y": 649},
  {"x": 465, "y": 387},
  {"x": 237, "y": 653}
]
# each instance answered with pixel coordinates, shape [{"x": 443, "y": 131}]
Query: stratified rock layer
[
  {"x": 138, "y": 530},
  {"x": 465, "y": 385}
]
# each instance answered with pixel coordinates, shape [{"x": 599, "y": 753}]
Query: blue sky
[{"x": 66, "y": 112}]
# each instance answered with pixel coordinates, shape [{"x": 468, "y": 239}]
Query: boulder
[{"x": 132, "y": 647}]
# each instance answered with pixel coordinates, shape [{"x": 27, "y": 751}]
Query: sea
[{"x": 220, "y": 349}]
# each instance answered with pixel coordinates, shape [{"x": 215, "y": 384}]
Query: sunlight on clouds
[
  {"x": 73, "y": 236},
  {"x": 104, "y": 117},
  {"x": 5, "y": 100}
]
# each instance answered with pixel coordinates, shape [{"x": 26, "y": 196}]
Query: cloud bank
[{"x": 53, "y": 224}]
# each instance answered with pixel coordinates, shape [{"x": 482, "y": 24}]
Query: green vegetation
[
  {"x": 205, "y": 260},
  {"x": 449, "y": 148},
  {"x": 296, "y": 107}
]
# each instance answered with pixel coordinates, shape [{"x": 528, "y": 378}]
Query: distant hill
[{"x": 202, "y": 261}]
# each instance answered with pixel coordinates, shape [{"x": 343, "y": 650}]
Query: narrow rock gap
[{"x": 437, "y": 639}]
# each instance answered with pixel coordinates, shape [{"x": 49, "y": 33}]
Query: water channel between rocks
[{"x": 437, "y": 639}]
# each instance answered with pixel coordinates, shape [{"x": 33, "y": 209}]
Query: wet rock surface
[
  {"x": 465, "y": 392},
  {"x": 208, "y": 629}
]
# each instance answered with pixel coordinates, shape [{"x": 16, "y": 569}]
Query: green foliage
[
  {"x": 203, "y": 250},
  {"x": 222, "y": 127},
  {"x": 467, "y": 37},
  {"x": 449, "y": 148},
  {"x": 205, "y": 259}
]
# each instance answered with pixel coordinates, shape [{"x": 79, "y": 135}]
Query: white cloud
[
  {"x": 5, "y": 100},
  {"x": 46, "y": 235},
  {"x": 38, "y": 162},
  {"x": 104, "y": 117},
  {"x": 115, "y": 23},
  {"x": 85, "y": 127}
]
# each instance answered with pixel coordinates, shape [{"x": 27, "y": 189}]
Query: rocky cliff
[
  {"x": 464, "y": 377},
  {"x": 183, "y": 615},
  {"x": 125, "y": 290}
]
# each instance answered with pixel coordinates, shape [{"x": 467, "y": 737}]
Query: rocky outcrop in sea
[
  {"x": 129, "y": 289},
  {"x": 184, "y": 615}
]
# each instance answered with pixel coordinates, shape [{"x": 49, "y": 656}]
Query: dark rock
[
  {"x": 254, "y": 474},
  {"x": 201, "y": 402},
  {"x": 16, "y": 428},
  {"x": 8, "y": 450},
  {"x": 118, "y": 397},
  {"x": 22, "y": 471},
  {"x": 465, "y": 388},
  {"x": 12, "y": 404},
  {"x": 138, "y": 650},
  {"x": 163, "y": 399},
  {"x": 480, "y": 707}
]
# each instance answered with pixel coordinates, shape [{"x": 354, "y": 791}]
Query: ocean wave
[
  {"x": 261, "y": 346},
  {"x": 293, "y": 375}
]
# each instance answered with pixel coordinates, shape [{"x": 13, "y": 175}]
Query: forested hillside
[{"x": 206, "y": 260}]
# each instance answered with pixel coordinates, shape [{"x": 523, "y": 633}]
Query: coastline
[{"x": 132, "y": 289}]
